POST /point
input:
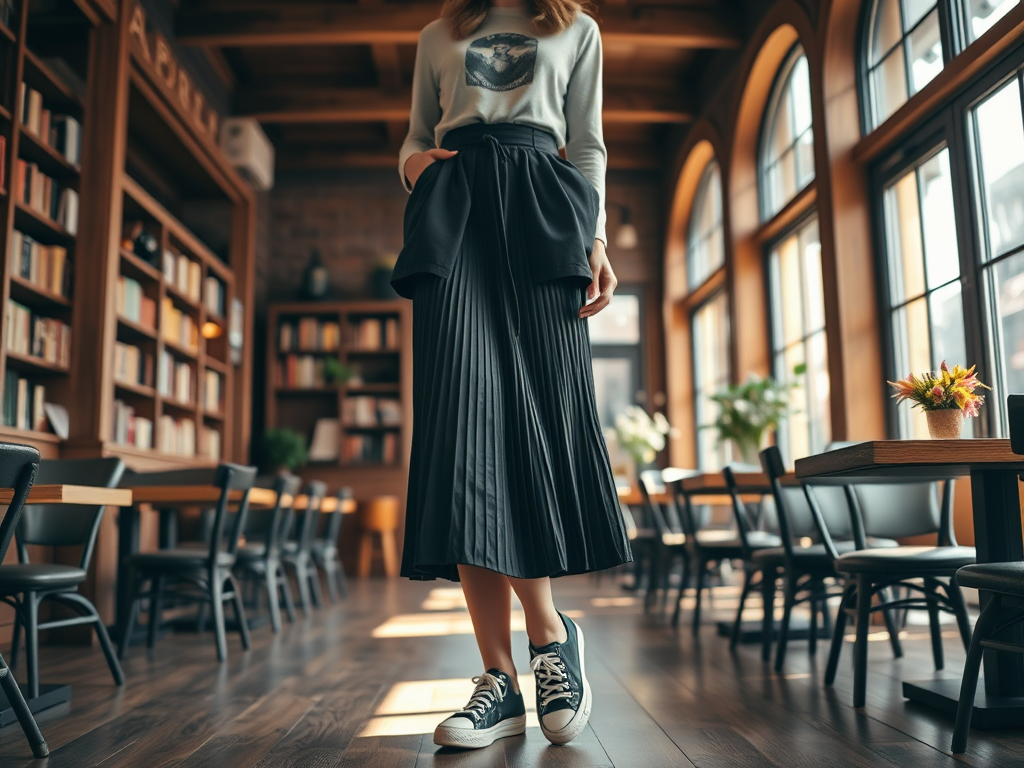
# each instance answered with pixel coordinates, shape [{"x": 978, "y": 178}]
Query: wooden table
[
  {"x": 327, "y": 505},
  {"x": 995, "y": 495},
  {"x": 52, "y": 694}
]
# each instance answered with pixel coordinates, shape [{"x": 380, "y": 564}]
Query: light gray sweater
[{"x": 505, "y": 72}]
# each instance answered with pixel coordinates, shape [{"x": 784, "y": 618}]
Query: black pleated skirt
[{"x": 509, "y": 468}]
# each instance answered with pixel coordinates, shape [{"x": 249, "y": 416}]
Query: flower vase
[{"x": 945, "y": 424}]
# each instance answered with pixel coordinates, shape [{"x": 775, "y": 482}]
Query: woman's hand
[
  {"x": 604, "y": 281},
  {"x": 418, "y": 162}
]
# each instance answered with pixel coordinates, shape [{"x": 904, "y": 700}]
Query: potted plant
[
  {"x": 639, "y": 434},
  {"x": 946, "y": 396},
  {"x": 336, "y": 372},
  {"x": 747, "y": 412},
  {"x": 282, "y": 449}
]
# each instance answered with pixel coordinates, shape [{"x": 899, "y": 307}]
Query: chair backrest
[
  {"x": 266, "y": 523},
  {"x": 330, "y": 531},
  {"x": 18, "y": 467},
  {"x": 897, "y": 510},
  {"x": 230, "y": 477},
  {"x": 744, "y": 520},
  {"x": 68, "y": 525},
  {"x": 307, "y": 522},
  {"x": 665, "y": 515},
  {"x": 200, "y": 476}
]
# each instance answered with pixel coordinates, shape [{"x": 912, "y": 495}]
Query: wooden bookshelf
[{"x": 374, "y": 410}]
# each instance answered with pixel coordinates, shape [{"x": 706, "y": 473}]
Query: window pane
[
  {"x": 613, "y": 385},
  {"x": 790, "y": 307},
  {"x": 814, "y": 297},
  {"x": 889, "y": 83},
  {"x": 818, "y": 393},
  {"x": 924, "y": 51},
  {"x": 618, "y": 323},
  {"x": 903, "y": 236},
  {"x": 1000, "y": 136},
  {"x": 886, "y": 30},
  {"x": 804, "y": 160},
  {"x": 940, "y": 245},
  {"x": 800, "y": 93},
  {"x": 711, "y": 374},
  {"x": 914, "y": 10},
  {"x": 982, "y": 14},
  {"x": 1007, "y": 290},
  {"x": 705, "y": 243},
  {"x": 947, "y": 331},
  {"x": 787, "y": 161},
  {"x": 911, "y": 339}
]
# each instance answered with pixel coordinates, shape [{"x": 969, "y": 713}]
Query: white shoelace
[
  {"x": 552, "y": 677},
  {"x": 488, "y": 689}
]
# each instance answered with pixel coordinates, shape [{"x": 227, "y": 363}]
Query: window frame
[
  {"x": 635, "y": 353},
  {"x": 699, "y": 196},
  {"x": 718, "y": 292}
]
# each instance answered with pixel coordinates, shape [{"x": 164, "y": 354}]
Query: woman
[{"x": 510, "y": 482}]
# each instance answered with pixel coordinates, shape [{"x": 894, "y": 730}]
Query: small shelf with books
[{"x": 29, "y": 293}]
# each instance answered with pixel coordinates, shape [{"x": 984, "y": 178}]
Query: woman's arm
[
  {"x": 584, "y": 141},
  {"x": 426, "y": 108}
]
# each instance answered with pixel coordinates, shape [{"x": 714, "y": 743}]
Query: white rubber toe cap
[
  {"x": 458, "y": 723},
  {"x": 557, "y": 720}
]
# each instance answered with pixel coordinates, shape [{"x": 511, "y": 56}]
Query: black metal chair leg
[
  {"x": 154, "y": 610},
  {"x": 273, "y": 598},
  {"x": 217, "y": 606},
  {"x": 890, "y": 625},
  {"x": 956, "y": 598},
  {"x": 684, "y": 582},
  {"x": 837, "y": 634},
  {"x": 969, "y": 686},
  {"x": 332, "y": 585},
  {"x": 787, "y": 615},
  {"x": 933, "y": 622},
  {"x": 768, "y": 579},
  {"x": 286, "y": 594},
  {"x": 22, "y": 712},
  {"x": 32, "y": 642},
  {"x": 314, "y": 585},
  {"x": 85, "y": 607},
  {"x": 15, "y": 639},
  {"x": 860, "y": 648},
  {"x": 734, "y": 636},
  {"x": 129, "y": 624},
  {"x": 812, "y": 639},
  {"x": 302, "y": 584},
  {"x": 243, "y": 624},
  {"x": 339, "y": 573},
  {"x": 702, "y": 575},
  {"x": 826, "y": 617}
]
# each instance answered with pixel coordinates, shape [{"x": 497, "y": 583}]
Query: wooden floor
[{"x": 364, "y": 684}]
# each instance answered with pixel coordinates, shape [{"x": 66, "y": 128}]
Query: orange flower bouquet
[{"x": 947, "y": 397}]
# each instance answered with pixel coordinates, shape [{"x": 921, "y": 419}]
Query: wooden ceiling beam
[
  {"x": 247, "y": 24},
  {"x": 346, "y": 105}
]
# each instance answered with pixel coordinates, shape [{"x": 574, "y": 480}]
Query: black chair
[
  {"x": 18, "y": 467},
  {"x": 197, "y": 574},
  {"x": 669, "y": 539},
  {"x": 752, "y": 539},
  {"x": 298, "y": 551},
  {"x": 259, "y": 559},
  {"x": 712, "y": 547},
  {"x": 325, "y": 548},
  {"x": 897, "y": 510},
  {"x": 26, "y": 585},
  {"x": 808, "y": 572}
]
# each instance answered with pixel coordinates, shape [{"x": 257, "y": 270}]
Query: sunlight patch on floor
[
  {"x": 440, "y": 623},
  {"x": 416, "y": 707},
  {"x": 613, "y": 602},
  {"x": 444, "y": 599},
  {"x": 875, "y": 637}
]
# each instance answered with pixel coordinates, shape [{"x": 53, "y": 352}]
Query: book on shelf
[
  {"x": 211, "y": 443},
  {"x": 183, "y": 274},
  {"x": 132, "y": 365},
  {"x": 212, "y": 391},
  {"x": 45, "y": 266},
  {"x": 214, "y": 296},
  {"x": 24, "y": 403},
  {"x": 177, "y": 437},
  {"x": 303, "y": 372},
  {"x": 133, "y": 304},
  {"x": 38, "y": 336},
  {"x": 174, "y": 378},
  {"x": 373, "y": 333},
  {"x": 178, "y": 327},
  {"x": 309, "y": 334},
  {"x": 62, "y": 133},
  {"x": 370, "y": 411},
  {"x": 46, "y": 196},
  {"x": 131, "y": 429},
  {"x": 369, "y": 449}
]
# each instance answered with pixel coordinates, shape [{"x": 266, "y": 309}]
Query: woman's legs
[
  {"x": 489, "y": 599},
  {"x": 543, "y": 624}
]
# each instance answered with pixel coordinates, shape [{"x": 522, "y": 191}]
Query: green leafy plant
[
  {"x": 747, "y": 412},
  {"x": 336, "y": 372},
  {"x": 640, "y": 435},
  {"x": 282, "y": 448}
]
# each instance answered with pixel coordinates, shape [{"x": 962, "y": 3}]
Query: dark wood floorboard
[{"x": 330, "y": 692}]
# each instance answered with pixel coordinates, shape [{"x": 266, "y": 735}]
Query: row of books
[
  {"x": 184, "y": 274},
  {"x": 212, "y": 392},
  {"x": 177, "y": 326},
  {"x": 177, "y": 436},
  {"x": 211, "y": 443},
  {"x": 62, "y": 132},
  {"x": 309, "y": 334},
  {"x": 303, "y": 371},
  {"x": 130, "y": 428},
  {"x": 46, "y": 196},
  {"x": 37, "y": 336},
  {"x": 373, "y": 333},
  {"x": 216, "y": 296},
  {"x": 174, "y": 379},
  {"x": 45, "y": 266},
  {"x": 370, "y": 449},
  {"x": 370, "y": 411},
  {"x": 24, "y": 403},
  {"x": 133, "y": 304},
  {"x": 132, "y": 365}
]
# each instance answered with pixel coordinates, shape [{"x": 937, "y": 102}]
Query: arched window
[
  {"x": 787, "y": 149},
  {"x": 705, "y": 243}
]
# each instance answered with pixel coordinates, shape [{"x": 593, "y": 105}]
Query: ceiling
[{"x": 331, "y": 81}]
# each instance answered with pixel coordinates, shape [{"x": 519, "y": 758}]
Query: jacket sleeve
[
  {"x": 426, "y": 108},
  {"x": 584, "y": 141}
]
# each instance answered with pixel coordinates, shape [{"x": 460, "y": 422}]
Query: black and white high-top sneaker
[
  {"x": 563, "y": 693},
  {"x": 494, "y": 711}
]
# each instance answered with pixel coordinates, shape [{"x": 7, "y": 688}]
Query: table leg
[{"x": 127, "y": 545}]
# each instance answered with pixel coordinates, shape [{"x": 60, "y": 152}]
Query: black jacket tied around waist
[{"x": 554, "y": 206}]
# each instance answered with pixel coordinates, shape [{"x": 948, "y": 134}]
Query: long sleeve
[
  {"x": 426, "y": 109},
  {"x": 584, "y": 140}
]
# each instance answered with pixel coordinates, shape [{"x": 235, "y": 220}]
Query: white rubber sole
[
  {"x": 466, "y": 738},
  {"x": 575, "y": 726}
]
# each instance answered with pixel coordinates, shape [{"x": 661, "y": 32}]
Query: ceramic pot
[{"x": 946, "y": 424}]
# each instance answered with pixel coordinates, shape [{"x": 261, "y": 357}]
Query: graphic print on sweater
[{"x": 502, "y": 61}]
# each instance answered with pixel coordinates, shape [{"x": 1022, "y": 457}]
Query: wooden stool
[{"x": 379, "y": 515}]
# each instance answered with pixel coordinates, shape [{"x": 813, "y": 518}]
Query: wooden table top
[
  {"x": 72, "y": 494},
  {"x": 190, "y": 495},
  {"x": 923, "y": 460}
]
